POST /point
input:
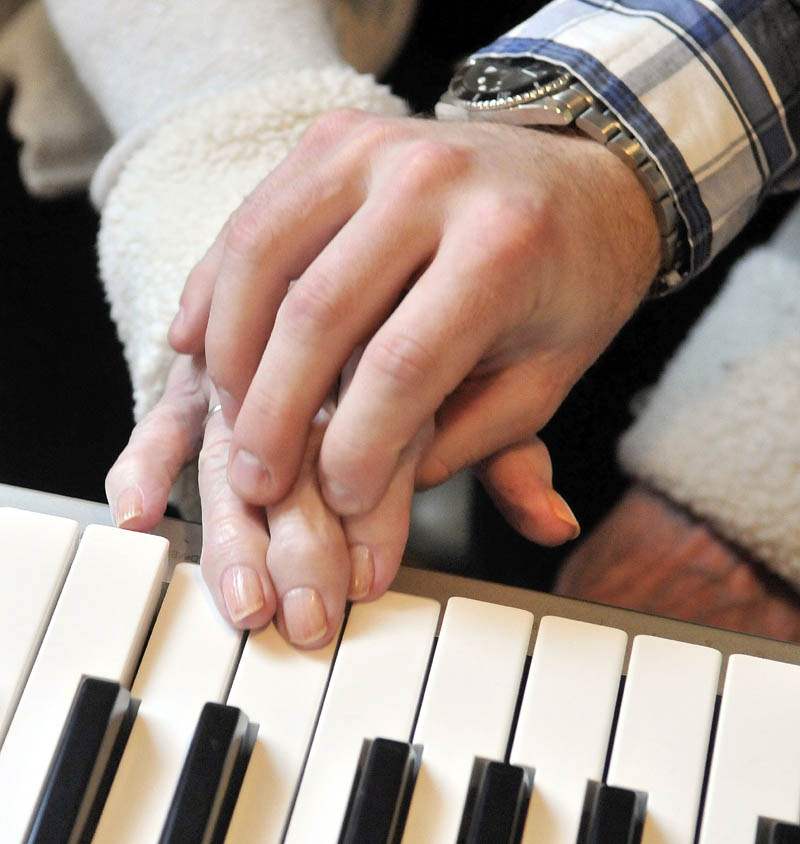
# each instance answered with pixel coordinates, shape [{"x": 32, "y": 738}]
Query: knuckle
[
  {"x": 516, "y": 227},
  {"x": 247, "y": 229},
  {"x": 514, "y": 235},
  {"x": 222, "y": 538},
  {"x": 342, "y": 455},
  {"x": 332, "y": 125},
  {"x": 367, "y": 141},
  {"x": 401, "y": 358},
  {"x": 166, "y": 426},
  {"x": 313, "y": 304},
  {"x": 372, "y": 132},
  {"x": 213, "y": 457},
  {"x": 296, "y": 541},
  {"x": 429, "y": 162}
]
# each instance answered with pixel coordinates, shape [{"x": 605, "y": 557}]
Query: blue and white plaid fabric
[{"x": 712, "y": 90}]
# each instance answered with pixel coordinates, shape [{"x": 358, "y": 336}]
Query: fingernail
[
  {"x": 128, "y": 506},
  {"x": 249, "y": 475},
  {"x": 241, "y": 589},
  {"x": 362, "y": 572},
  {"x": 563, "y": 512},
  {"x": 304, "y": 615},
  {"x": 341, "y": 499}
]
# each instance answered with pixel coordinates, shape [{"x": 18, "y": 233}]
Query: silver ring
[{"x": 211, "y": 411}]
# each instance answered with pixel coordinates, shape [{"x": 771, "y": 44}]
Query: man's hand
[{"x": 483, "y": 267}]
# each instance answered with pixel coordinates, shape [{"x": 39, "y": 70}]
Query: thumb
[{"x": 518, "y": 479}]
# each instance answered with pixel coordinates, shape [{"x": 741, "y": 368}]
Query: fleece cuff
[
  {"x": 720, "y": 432},
  {"x": 174, "y": 193}
]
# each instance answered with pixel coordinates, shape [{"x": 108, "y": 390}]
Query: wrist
[
  {"x": 638, "y": 232},
  {"x": 535, "y": 94}
]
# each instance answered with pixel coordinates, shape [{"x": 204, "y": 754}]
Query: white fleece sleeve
[
  {"x": 177, "y": 190},
  {"x": 720, "y": 432},
  {"x": 204, "y": 98}
]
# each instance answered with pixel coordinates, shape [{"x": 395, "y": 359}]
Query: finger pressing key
[
  {"x": 308, "y": 559},
  {"x": 235, "y": 538},
  {"x": 168, "y": 437}
]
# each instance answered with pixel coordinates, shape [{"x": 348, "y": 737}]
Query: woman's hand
[{"x": 296, "y": 561}]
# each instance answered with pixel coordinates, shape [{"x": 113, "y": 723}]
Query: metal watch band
[
  {"x": 602, "y": 126},
  {"x": 569, "y": 103}
]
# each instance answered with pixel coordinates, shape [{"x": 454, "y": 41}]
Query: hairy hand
[{"x": 482, "y": 267}]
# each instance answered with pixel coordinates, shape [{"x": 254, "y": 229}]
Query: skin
[
  {"x": 295, "y": 561},
  {"x": 462, "y": 276},
  {"x": 482, "y": 267},
  {"x": 297, "y": 546}
]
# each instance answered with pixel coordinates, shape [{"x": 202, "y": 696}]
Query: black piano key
[
  {"x": 612, "y": 815},
  {"x": 211, "y": 778},
  {"x": 84, "y": 763},
  {"x": 771, "y": 831},
  {"x": 381, "y": 792},
  {"x": 496, "y": 804}
]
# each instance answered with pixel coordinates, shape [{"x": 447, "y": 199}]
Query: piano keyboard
[{"x": 462, "y": 711}]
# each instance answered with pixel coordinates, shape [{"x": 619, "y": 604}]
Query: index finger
[
  {"x": 418, "y": 357},
  {"x": 230, "y": 297}
]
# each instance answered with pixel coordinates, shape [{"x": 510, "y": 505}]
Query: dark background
[{"x": 65, "y": 409}]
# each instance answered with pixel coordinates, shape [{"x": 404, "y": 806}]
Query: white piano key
[
  {"x": 98, "y": 628},
  {"x": 755, "y": 764},
  {"x": 663, "y": 730},
  {"x": 373, "y": 693},
  {"x": 565, "y": 721},
  {"x": 35, "y": 553},
  {"x": 467, "y": 709},
  {"x": 188, "y": 660},
  {"x": 280, "y": 688}
]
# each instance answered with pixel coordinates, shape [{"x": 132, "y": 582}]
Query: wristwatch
[{"x": 529, "y": 92}]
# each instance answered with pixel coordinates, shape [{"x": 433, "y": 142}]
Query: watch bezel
[{"x": 557, "y": 80}]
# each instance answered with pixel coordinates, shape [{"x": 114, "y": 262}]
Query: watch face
[{"x": 483, "y": 80}]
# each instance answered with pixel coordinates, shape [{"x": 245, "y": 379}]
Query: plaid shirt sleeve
[{"x": 711, "y": 89}]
